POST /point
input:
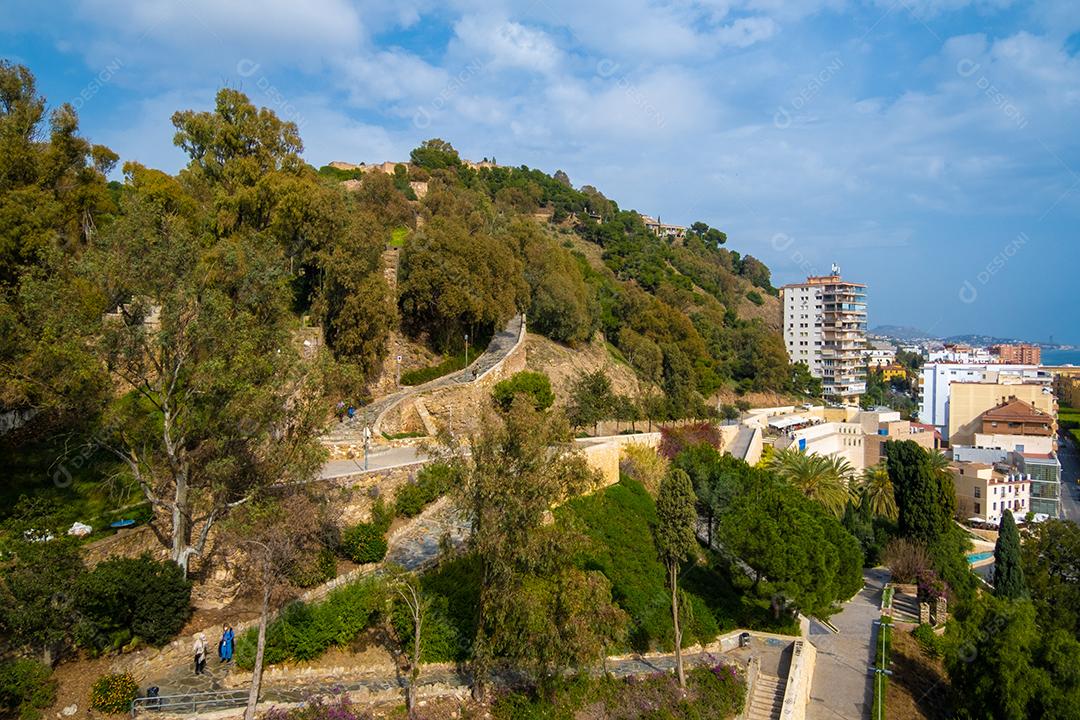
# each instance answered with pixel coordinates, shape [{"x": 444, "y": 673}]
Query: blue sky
[{"x": 927, "y": 146}]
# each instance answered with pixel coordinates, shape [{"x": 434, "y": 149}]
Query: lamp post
[{"x": 466, "y": 350}]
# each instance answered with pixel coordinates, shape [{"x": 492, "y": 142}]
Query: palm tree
[
  {"x": 823, "y": 479},
  {"x": 876, "y": 491},
  {"x": 938, "y": 462}
]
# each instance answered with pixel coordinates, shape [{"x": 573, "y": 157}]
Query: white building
[
  {"x": 879, "y": 354},
  {"x": 963, "y": 354},
  {"x": 937, "y": 379},
  {"x": 825, "y": 327}
]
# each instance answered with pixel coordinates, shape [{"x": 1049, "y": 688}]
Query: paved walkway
[
  {"x": 842, "y": 683},
  {"x": 351, "y": 430},
  {"x": 187, "y": 685},
  {"x": 382, "y": 458}
]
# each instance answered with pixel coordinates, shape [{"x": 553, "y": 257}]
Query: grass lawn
[{"x": 88, "y": 484}]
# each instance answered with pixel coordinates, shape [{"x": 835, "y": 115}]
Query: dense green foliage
[
  {"x": 712, "y": 693},
  {"x": 618, "y": 523},
  {"x": 1003, "y": 664},
  {"x": 126, "y": 598},
  {"x": 26, "y": 688},
  {"x": 364, "y": 542},
  {"x": 302, "y": 631},
  {"x": 1051, "y": 565},
  {"x": 432, "y": 482},
  {"x": 795, "y": 548},
  {"x": 535, "y": 385}
]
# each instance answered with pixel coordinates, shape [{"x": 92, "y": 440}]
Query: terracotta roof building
[{"x": 1016, "y": 417}]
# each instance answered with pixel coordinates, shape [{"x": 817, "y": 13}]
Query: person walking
[
  {"x": 200, "y": 653},
  {"x": 227, "y": 644}
]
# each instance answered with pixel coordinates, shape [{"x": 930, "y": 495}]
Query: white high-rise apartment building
[{"x": 825, "y": 327}]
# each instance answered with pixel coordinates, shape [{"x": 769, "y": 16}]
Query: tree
[
  {"x": 925, "y": 497},
  {"x": 876, "y": 490},
  {"x": 792, "y": 542},
  {"x": 1051, "y": 567},
  {"x": 534, "y": 385},
  {"x": 435, "y": 154},
  {"x": 38, "y": 609},
  {"x": 1008, "y": 573},
  {"x": 1002, "y": 664},
  {"x": 454, "y": 281},
  {"x": 520, "y": 466},
  {"x": 824, "y": 479},
  {"x": 407, "y": 589},
  {"x": 275, "y": 544},
  {"x": 591, "y": 399},
  {"x": 219, "y": 405},
  {"x": 676, "y": 518},
  {"x": 906, "y": 559}
]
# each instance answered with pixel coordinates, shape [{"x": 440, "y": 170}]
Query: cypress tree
[{"x": 1008, "y": 574}]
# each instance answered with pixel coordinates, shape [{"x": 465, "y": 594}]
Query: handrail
[{"x": 218, "y": 699}]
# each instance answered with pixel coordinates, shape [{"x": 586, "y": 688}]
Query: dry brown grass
[{"x": 918, "y": 688}]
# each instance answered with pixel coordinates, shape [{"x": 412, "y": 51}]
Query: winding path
[{"x": 501, "y": 345}]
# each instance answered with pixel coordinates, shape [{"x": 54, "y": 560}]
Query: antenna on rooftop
[{"x": 835, "y": 269}]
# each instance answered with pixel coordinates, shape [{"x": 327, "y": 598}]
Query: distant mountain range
[
  {"x": 901, "y": 332},
  {"x": 904, "y": 332}
]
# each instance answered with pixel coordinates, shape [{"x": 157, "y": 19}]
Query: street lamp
[{"x": 466, "y": 350}]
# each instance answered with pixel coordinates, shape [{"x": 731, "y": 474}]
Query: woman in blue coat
[{"x": 227, "y": 644}]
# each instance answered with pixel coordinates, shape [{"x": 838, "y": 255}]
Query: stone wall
[
  {"x": 800, "y": 678},
  {"x": 458, "y": 407}
]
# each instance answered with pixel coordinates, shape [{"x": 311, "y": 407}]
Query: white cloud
[
  {"x": 744, "y": 32},
  {"x": 507, "y": 44}
]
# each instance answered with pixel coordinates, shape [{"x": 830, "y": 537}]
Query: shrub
[
  {"x": 642, "y": 463},
  {"x": 711, "y": 692},
  {"x": 432, "y": 482},
  {"x": 674, "y": 439},
  {"x": 906, "y": 559},
  {"x": 303, "y": 631},
  {"x": 315, "y": 570},
  {"x": 755, "y": 297},
  {"x": 381, "y": 515},
  {"x": 364, "y": 543},
  {"x": 126, "y": 598},
  {"x": 26, "y": 688},
  {"x": 534, "y": 385},
  {"x": 440, "y": 638},
  {"x": 113, "y": 693},
  {"x": 928, "y": 641}
]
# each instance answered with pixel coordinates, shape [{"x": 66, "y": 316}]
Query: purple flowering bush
[{"x": 335, "y": 706}]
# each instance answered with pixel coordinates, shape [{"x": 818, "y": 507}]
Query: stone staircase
[{"x": 767, "y": 698}]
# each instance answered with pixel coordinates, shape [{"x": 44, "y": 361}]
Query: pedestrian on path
[
  {"x": 227, "y": 644},
  {"x": 200, "y": 653}
]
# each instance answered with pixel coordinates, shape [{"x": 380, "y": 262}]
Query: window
[
  {"x": 978, "y": 492},
  {"x": 978, "y": 508}
]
